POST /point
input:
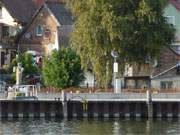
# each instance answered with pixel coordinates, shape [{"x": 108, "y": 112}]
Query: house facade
[
  {"x": 172, "y": 14},
  {"x": 166, "y": 73},
  {"x": 14, "y": 15},
  {"x": 49, "y": 29}
]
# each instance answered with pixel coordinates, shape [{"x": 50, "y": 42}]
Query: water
[{"x": 89, "y": 127}]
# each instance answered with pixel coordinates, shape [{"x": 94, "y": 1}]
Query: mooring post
[
  {"x": 149, "y": 103},
  {"x": 64, "y": 103}
]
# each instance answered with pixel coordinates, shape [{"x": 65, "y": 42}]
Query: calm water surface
[{"x": 89, "y": 127}]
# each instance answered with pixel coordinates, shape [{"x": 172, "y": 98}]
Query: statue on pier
[{"x": 19, "y": 71}]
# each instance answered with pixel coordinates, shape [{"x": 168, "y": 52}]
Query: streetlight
[{"x": 116, "y": 81}]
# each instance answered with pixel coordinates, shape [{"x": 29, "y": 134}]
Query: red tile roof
[{"x": 176, "y": 3}]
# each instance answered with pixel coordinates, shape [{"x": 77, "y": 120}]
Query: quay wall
[{"x": 88, "y": 109}]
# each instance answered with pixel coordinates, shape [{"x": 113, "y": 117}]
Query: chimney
[{"x": 38, "y": 2}]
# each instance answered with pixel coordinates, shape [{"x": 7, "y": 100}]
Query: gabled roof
[
  {"x": 165, "y": 71},
  {"x": 61, "y": 13},
  {"x": 20, "y": 10},
  {"x": 175, "y": 52},
  {"x": 175, "y": 49},
  {"x": 176, "y": 3}
]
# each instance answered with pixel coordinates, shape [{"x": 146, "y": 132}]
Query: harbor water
[{"x": 89, "y": 127}]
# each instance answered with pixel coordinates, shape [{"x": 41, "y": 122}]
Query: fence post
[
  {"x": 149, "y": 103},
  {"x": 64, "y": 103}
]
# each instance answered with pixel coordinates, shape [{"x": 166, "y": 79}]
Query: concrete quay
[{"x": 95, "y": 105}]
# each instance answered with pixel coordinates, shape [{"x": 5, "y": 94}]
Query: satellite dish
[{"x": 114, "y": 54}]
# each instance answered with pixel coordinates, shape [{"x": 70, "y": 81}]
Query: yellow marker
[{"x": 85, "y": 104}]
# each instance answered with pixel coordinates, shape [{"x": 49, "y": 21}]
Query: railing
[{"x": 27, "y": 90}]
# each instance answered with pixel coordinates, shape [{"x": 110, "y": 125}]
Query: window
[
  {"x": 39, "y": 30},
  {"x": 0, "y": 12},
  {"x": 5, "y": 31},
  {"x": 166, "y": 84},
  {"x": 170, "y": 20},
  {"x": 47, "y": 33}
]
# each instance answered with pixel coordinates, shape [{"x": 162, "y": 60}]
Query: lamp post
[{"x": 116, "y": 81}]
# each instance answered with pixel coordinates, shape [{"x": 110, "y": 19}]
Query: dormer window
[
  {"x": 39, "y": 30},
  {"x": 170, "y": 20}
]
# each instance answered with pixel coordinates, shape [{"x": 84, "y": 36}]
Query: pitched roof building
[{"x": 49, "y": 29}]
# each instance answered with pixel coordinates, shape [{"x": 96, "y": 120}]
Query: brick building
[{"x": 49, "y": 29}]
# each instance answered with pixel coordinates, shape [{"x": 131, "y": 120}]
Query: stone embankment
[{"x": 95, "y": 105}]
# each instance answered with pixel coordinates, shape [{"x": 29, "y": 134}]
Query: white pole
[{"x": 115, "y": 70}]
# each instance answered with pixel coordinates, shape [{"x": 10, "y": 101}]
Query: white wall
[
  {"x": 156, "y": 83},
  {"x": 89, "y": 78},
  {"x": 128, "y": 70},
  {"x": 7, "y": 18}
]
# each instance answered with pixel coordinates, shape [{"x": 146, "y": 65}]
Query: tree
[
  {"x": 136, "y": 29},
  {"x": 62, "y": 69},
  {"x": 27, "y": 62}
]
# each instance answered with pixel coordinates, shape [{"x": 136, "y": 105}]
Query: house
[
  {"x": 172, "y": 14},
  {"x": 14, "y": 15},
  {"x": 136, "y": 76},
  {"x": 166, "y": 73},
  {"x": 49, "y": 29}
]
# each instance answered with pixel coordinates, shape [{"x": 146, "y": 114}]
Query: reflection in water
[{"x": 89, "y": 127}]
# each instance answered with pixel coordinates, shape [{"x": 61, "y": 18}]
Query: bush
[{"x": 62, "y": 69}]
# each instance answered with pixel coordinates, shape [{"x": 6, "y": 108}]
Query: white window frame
[
  {"x": 173, "y": 19},
  {"x": 38, "y": 32}
]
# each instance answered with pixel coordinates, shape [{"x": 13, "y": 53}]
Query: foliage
[
  {"x": 136, "y": 29},
  {"x": 62, "y": 69},
  {"x": 29, "y": 67},
  {"x": 26, "y": 60},
  {"x": 20, "y": 94}
]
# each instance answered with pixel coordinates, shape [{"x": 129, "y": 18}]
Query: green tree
[
  {"x": 62, "y": 69},
  {"x": 136, "y": 29},
  {"x": 27, "y": 62}
]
